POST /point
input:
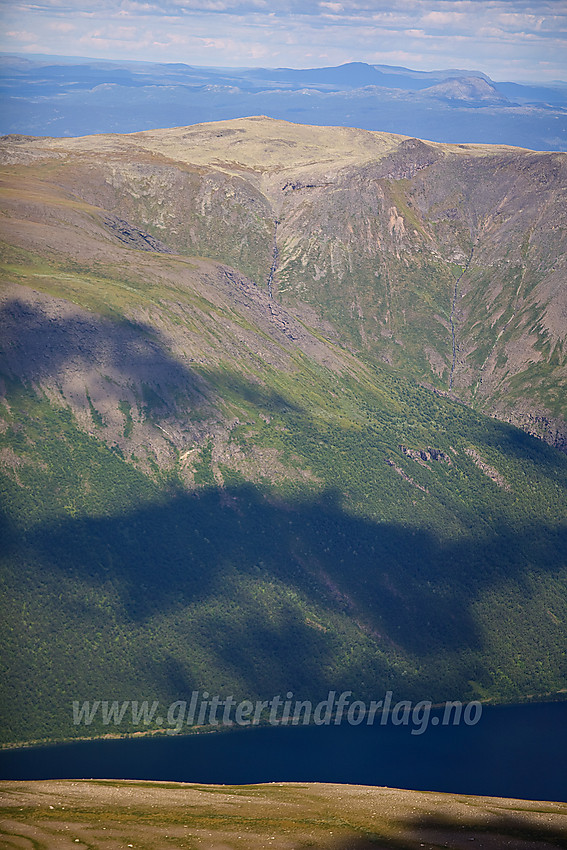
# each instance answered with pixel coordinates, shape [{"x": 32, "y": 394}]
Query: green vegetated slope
[{"x": 205, "y": 490}]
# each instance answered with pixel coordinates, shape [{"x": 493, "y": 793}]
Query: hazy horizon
[
  {"x": 513, "y": 40},
  {"x": 61, "y": 57}
]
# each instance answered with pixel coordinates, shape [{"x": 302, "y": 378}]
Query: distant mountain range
[{"x": 62, "y": 96}]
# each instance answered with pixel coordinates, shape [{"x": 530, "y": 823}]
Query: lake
[{"x": 513, "y": 751}]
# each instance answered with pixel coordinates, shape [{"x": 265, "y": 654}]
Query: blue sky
[{"x": 507, "y": 39}]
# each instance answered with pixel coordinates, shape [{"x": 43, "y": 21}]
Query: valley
[{"x": 260, "y": 384}]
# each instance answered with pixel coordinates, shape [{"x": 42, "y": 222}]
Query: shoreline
[{"x": 169, "y": 732}]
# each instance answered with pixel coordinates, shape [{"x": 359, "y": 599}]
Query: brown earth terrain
[{"x": 153, "y": 815}]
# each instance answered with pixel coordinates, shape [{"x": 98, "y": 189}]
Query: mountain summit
[
  {"x": 472, "y": 89},
  {"x": 444, "y": 261}
]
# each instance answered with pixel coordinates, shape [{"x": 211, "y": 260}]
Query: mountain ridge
[
  {"x": 220, "y": 469},
  {"x": 473, "y": 239}
]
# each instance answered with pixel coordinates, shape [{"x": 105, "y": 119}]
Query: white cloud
[
  {"x": 333, "y": 7},
  {"x": 62, "y": 26},
  {"x": 21, "y": 35},
  {"x": 443, "y": 19}
]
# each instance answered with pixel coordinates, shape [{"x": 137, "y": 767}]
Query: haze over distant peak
[
  {"x": 72, "y": 96},
  {"x": 471, "y": 89}
]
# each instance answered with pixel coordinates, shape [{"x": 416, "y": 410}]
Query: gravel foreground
[{"x": 153, "y": 815}]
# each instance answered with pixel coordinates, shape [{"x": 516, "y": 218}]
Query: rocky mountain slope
[
  {"x": 220, "y": 467},
  {"x": 447, "y": 262}
]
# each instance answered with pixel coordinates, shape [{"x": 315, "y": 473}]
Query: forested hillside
[{"x": 208, "y": 485}]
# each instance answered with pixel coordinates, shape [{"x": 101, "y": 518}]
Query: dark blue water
[{"x": 513, "y": 751}]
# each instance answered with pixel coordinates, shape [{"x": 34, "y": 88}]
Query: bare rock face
[
  {"x": 133, "y": 237},
  {"x": 410, "y": 157},
  {"x": 424, "y": 455}
]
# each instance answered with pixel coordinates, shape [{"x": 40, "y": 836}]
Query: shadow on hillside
[
  {"x": 40, "y": 342},
  {"x": 357, "y": 842},
  {"x": 259, "y": 395},
  {"x": 264, "y": 582},
  {"x": 492, "y": 828},
  {"x": 516, "y": 443},
  {"x": 82, "y": 353},
  {"x": 438, "y": 830},
  {"x": 274, "y": 588}
]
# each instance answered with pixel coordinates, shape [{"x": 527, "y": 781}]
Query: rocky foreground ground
[{"x": 154, "y": 815}]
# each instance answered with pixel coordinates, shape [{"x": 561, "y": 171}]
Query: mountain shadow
[
  {"x": 227, "y": 590},
  {"x": 42, "y": 340}
]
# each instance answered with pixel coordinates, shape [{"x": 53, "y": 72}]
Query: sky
[{"x": 523, "y": 40}]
